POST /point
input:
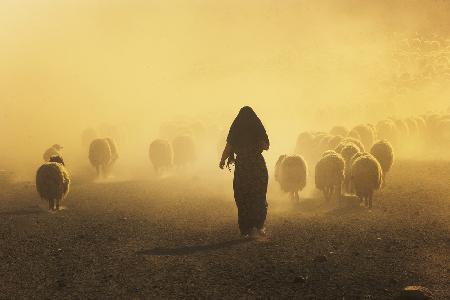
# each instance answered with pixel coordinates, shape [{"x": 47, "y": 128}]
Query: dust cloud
[{"x": 124, "y": 68}]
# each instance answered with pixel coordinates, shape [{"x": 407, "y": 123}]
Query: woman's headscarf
[{"x": 247, "y": 131}]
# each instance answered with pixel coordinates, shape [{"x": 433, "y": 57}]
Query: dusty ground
[{"x": 177, "y": 238}]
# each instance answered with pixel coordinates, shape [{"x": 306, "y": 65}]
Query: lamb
[
  {"x": 366, "y": 177},
  {"x": 384, "y": 153},
  {"x": 330, "y": 174},
  {"x": 184, "y": 150},
  {"x": 52, "y": 182},
  {"x": 54, "y": 150},
  {"x": 102, "y": 155},
  {"x": 291, "y": 173},
  {"x": 160, "y": 154},
  {"x": 387, "y": 130}
]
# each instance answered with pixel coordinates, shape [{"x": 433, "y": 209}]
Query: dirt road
[{"x": 177, "y": 238}]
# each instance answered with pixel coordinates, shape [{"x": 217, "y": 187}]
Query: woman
[{"x": 247, "y": 139}]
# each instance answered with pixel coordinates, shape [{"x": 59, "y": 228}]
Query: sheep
[
  {"x": 53, "y": 182},
  {"x": 335, "y": 141},
  {"x": 374, "y": 131},
  {"x": 160, "y": 154},
  {"x": 413, "y": 127},
  {"x": 184, "y": 150},
  {"x": 305, "y": 146},
  {"x": 171, "y": 129},
  {"x": 384, "y": 153},
  {"x": 421, "y": 126},
  {"x": 54, "y": 150},
  {"x": 328, "y": 152},
  {"x": 366, "y": 135},
  {"x": 114, "y": 152},
  {"x": 402, "y": 127},
  {"x": 366, "y": 177},
  {"x": 354, "y": 134},
  {"x": 329, "y": 174},
  {"x": 347, "y": 153},
  {"x": 349, "y": 140},
  {"x": 323, "y": 143},
  {"x": 102, "y": 154},
  {"x": 387, "y": 130},
  {"x": 339, "y": 130},
  {"x": 291, "y": 173}
]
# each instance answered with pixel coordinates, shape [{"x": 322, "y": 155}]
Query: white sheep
[
  {"x": 52, "y": 182},
  {"x": 387, "y": 130},
  {"x": 334, "y": 142},
  {"x": 305, "y": 145},
  {"x": 160, "y": 154},
  {"x": 290, "y": 173},
  {"x": 366, "y": 176},
  {"x": 366, "y": 134},
  {"x": 102, "y": 155},
  {"x": 54, "y": 150},
  {"x": 329, "y": 174},
  {"x": 384, "y": 153},
  {"x": 349, "y": 140},
  {"x": 339, "y": 130}
]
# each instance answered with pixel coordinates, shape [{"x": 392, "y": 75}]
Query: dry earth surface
[{"x": 177, "y": 238}]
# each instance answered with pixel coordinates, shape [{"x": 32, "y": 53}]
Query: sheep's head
[
  {"x": 57, "y": 147},
  {"x": 57, "y": 159}
]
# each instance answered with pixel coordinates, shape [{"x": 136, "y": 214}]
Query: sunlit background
[{"x": 127, "y": 66}]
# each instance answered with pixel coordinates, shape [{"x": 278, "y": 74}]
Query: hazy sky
[{"x": 70, "y": 64}]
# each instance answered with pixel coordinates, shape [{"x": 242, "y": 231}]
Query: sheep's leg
[
  {"x": 57, "y": 204},
  {"x": 366, "y": 201},
  {"x": 105, "y": 171},
  {"x": 370, "y": 199},
  {"x": 297, "y": 197},
  {"x": 50, "y": 204}
]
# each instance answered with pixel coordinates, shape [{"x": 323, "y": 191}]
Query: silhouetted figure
[{"x": 247, "y": 139}]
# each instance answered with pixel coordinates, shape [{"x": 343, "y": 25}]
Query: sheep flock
[
  {"x": 343, "y": 161},
  {"x": 356, "y": 161}
]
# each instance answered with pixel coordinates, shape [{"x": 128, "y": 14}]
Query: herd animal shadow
[{"x": 188, "y": 250}]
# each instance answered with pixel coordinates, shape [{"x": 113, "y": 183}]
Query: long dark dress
[
  {"x": 250, "y": 188},
  {"x": 246, "y": 137}
]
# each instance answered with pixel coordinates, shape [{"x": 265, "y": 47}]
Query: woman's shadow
[{"x": 187, "y": 250}]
